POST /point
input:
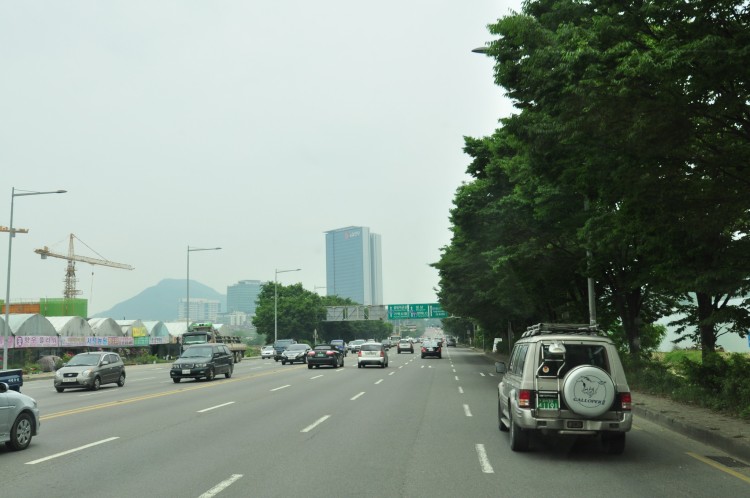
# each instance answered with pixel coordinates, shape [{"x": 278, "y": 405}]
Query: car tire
[
  {"x": 211, "y": 374},
  {"x": 309, "y": 367},
  {"x": 21, "y": 432},
  {"x": 588, "y": 391},
  {"x": 59, "y": 389},
  {"x": 613, "y": 442},
  {"x": 342, "y": 361},
  {"x": 228, "y": 375},
  {"x": 283, "y": 362},
  {"x": 399, "y": 351},
  {"x": 97, "y": 384},
  {"x": 423, "y": 357},
  {"x": 382, "y": 365},
  {"x": 121, "y": 380},
  {"x": 500, "y": 424},
  {"x": 519, "y": 439},
  {"x": 359, "y": 365},
  {"x": 176, "y": 380}
]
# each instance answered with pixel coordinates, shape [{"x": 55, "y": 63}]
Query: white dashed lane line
[
  {"x": 460, "y": 390},
  {"x": 378, "y": 382},
  {"x": 215, "y": 407},
  {"x": 357, "y": 396},
  {"x": 280, "y": 388},
  {"x": 316, "y": 423},
  {"x": 57, "y": 455},
  {"x": 484, "y": 462},
  {"x": 467, "y": 412},
  {"x": 221, "y": 486}
]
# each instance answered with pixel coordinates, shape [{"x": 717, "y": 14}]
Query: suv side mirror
[{"x": 500, "y": 367}]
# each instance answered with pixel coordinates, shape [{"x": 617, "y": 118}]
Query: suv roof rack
[{"x": 561, "y": 328}]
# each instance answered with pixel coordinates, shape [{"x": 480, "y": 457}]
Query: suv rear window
[
  {"x": 581, "y": 354},
  {"x": 371, "y": 347}
]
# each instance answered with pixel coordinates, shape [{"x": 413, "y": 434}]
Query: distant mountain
[{"x": 161, "y": 301}]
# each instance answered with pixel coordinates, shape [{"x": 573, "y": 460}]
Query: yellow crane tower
[{"x": 72, "y": 257}]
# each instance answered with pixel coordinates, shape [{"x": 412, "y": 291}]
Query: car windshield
[
  {"x": 84, "y": 360},
  {"x": 358, "y": 341},
  {"x": 196, "y": 353},
  {"x": 297, "y": 347}
]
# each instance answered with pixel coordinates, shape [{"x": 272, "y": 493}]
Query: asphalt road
[{"x": 421, "y": 427}]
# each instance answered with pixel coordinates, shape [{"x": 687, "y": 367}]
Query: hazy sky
[{"x": 251, "y": 125}]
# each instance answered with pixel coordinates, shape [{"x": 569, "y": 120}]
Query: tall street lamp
[
  {"x": 11, "y": 234},
  {"x": 276, "y": 301},
  {"x": 187, "y": 303}
]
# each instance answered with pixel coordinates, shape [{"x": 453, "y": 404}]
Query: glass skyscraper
[
  {"x": 243, "y": 295},
  {"x": 354, "y": 266}
]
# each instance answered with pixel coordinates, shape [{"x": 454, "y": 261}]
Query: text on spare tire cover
[{"x": 589, "y": 391}]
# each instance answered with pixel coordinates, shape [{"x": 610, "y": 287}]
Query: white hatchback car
[
  {"x": 266, "y": 352},
  {"x": 372, "y": 353},
  {"x": 19, "y": 418}
]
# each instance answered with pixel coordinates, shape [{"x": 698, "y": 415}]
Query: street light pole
[
  {"x": 276, "y": 301},
  {"x": 187, "y": 303},
  {"x": 11, "y": 234}
]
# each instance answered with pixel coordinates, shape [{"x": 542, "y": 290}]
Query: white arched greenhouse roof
[
  {"x": 176, "y": 329},
  {"x": 28, "y": 324},
  {"x": 105, "y": 327},
  {"x": 128, "y": 326},
  {"x": 156, "y": 329},
  {"x": 71, "y": 326}
]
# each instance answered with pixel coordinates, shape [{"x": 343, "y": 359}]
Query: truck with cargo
[
  {"x": 205, "y": 332},
  {"x": 14, "y": 378}
]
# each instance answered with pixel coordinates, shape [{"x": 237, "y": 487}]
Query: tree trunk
[
  {"x": 629, "y": 308},
  {"x": 705, "y": 324}
]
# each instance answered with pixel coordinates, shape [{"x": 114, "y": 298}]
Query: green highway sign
[{"x": 415, "y": 311}]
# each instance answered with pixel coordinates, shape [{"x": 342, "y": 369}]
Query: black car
[
  {"x": 325, "y": 354},
  {"x": 203, "y": 361},
  {"x": 432, "y": 348}
]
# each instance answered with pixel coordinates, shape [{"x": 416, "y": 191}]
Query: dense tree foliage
[{"x": 639, "y": 112}]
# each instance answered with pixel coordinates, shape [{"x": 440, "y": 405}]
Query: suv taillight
[
  {"x": 626, "y": 402},
  {"x": 359, "y": 353},
  {"x": 524, "y": 398},
  {"x": 382, "y": 353}
]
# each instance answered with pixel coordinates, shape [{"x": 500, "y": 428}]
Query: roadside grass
[{"x": 721, "y": 383}]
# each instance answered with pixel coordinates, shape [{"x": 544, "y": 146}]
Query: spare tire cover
[{"x": 588, "y": 390}]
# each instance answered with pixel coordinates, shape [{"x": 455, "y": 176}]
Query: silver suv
[{"x": 565, "y": 379}]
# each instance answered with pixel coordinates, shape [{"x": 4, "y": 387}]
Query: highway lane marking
[
  {"x": 357, "y": 396},
  {"x": 58, "y": 455},
  {"x": 391, "y": 373},
  {"x": 316, "y": 377},
  {"x": 378, "y": 382},
  {"x": 492, "y": 375},
  {"x": 422, "y": 366},
  {"x": 316, "y": 423},
  {"x": 454, "y": 370},
  {"x": 484, "y": 462},
  {"x": 221, "y": 486},
  {"x": 215, "y": 407},
  {"x": 460, "y": 390},
  {"x": 480, "y": 373},
  {"x": 719, "y": 466},
  {"x": 456, "y": 376},
  {"x": 467, "y": 411},
  {"x": 401, "y": 366},
  {"x": 280, "y": 388},
  {"x": 120, "y": 402}
]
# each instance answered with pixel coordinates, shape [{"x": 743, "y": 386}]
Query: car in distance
[
  {"x": 295, "y": 352},
  {"x": 356, "y": 344},
  {"x": 266, "y": 351},
  {"x": 405, "y": 345},
  {"x": 372, "y": 353},
  {"x": 340, "y": 345},
  {"x": 564, "y": 379},
  {"x": 451, "y": 341},
  {"x": 325, "y": 354},
  {"x": 90, "y": 370},
  {"x": 19, "y": 418},
  {"x": 203, "y": 361},
  {"x": 432, "y": 348},
  {"x": 279, "y": 346}
]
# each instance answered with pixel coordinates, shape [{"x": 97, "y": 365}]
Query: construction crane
[{"x": 70, "y": 274}]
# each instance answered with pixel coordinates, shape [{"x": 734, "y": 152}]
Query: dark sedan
[
  {"x": 432, "y": 348},
  {"x": 325, "y": 354}
]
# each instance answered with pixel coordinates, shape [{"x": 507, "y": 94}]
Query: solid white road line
[
  {"x": 57, "y": 455},
  {"x": 315, "y": 424},
  {"x": 282, "y": 387},
  {"x": 221, "y": 486},
  {"x": 215, "y": 407},
  {"x": 484, "y": 462},
  {"x": 467, "y": 411},
  {"x": 357, "y": 396}
]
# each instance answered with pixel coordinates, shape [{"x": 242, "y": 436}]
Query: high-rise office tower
[
  {"x": 243, "y": 295},
  {"x": 354, "y": 266}
]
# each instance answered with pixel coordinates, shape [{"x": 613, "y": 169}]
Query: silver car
[
  {"x": 19, "y": 418},
  {"x": 91, "y": 370},
  {"x": 372, "y": 353}
]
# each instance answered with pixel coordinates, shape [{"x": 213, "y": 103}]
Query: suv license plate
[
  {"x": 186, "y": 372},
  {"x": 547, "y": 404}
]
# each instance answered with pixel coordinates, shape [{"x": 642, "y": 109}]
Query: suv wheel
[
  {"x": 121, "y": 380},
  {"x": 229, "y": 372},
  {"x": 519, "y": 439},
  {"x": 59, "y": 389},
  {"x": 283, "y": 362},
  {"x": 211, "y": 374},
  {"x": 500, "y": 424}
]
